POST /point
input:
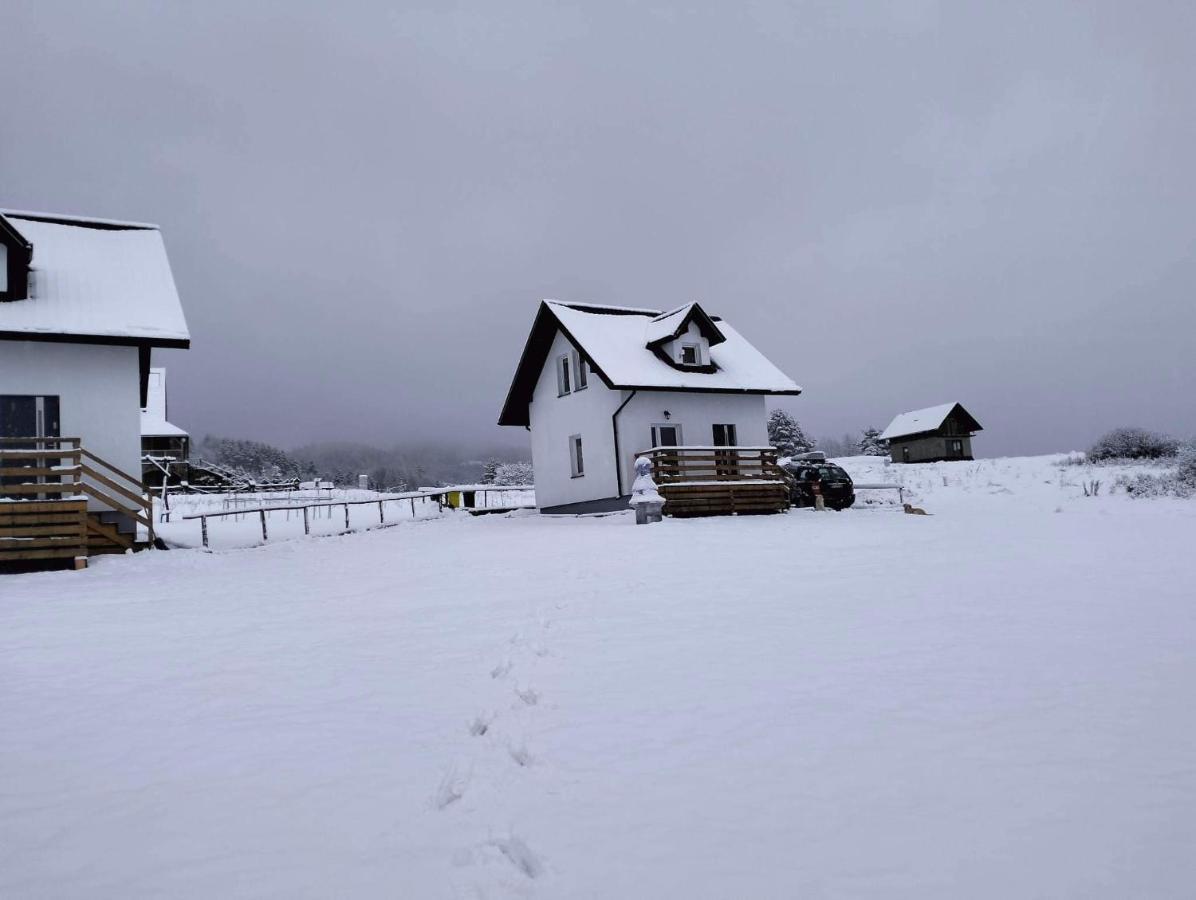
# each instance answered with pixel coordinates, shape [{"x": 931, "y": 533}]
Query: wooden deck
[
  {"x": 45, "y": 485},
  {"x": 718, "y": 481}
]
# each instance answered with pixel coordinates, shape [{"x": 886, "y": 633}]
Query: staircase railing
[
  {"x": 137, "y": 505},
  {"x": 63, "y": 467}
]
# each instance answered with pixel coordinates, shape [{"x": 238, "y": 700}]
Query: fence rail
[{"x": 439, "y": 495}]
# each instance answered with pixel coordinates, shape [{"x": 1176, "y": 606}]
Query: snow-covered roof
[
  {"x": 152, "y": 427},
  {"x": 616, "y": 341},
  {"x": 920, "y": 420},
  {"x": 669, "y": 325},
  {"x": 95, "y": 279}
]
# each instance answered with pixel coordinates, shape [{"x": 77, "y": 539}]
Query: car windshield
[{"x": 832, "y": 473}]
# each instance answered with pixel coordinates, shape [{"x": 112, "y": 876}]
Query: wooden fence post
[
  {"x": 203, "y": 525},
  {"x": 262, "y": 513},
  {"x": 413, "y": 507},
  {"x": 346, "y": 517},
  {"x": 306, "y": 526},
  {"x": 381, "y": 518}
]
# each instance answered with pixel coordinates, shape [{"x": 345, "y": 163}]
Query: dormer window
[{"x": 691, "y": 355}]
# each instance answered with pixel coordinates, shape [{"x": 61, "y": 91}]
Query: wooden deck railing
[
  {"x": 679, "y": 465},
  {"x": 713, "y": 481},
  {"x": 44, "y": 485}
]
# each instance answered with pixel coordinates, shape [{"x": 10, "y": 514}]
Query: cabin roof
[
  {"x": 618, "y": 344},
  {"x": 930, "y": 419},
  {"x": 96, "y": 281}
]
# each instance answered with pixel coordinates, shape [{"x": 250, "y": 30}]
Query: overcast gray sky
[{"x": 900, "y": 204}]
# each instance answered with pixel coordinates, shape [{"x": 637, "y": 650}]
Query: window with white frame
[
  {"x": 576, "y": 462},
  {"x": 691, "y": 355},
  {"x": 563, "y": 384},
  {"x": 581, "y": 372}
]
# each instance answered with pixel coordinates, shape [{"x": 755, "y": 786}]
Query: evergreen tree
[
  {"x": 786, "y": 435},
  {"x": 871, "y": 444},
  {"x": 490, "y": 470}
]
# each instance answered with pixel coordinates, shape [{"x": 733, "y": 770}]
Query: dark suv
[{"x": 838, "y": 491}]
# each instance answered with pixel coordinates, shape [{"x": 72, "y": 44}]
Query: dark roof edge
[
  {"x": 98, "y": 224},
  {"x": 110, "y": 340},
  {"x": 703, "y": 390}
]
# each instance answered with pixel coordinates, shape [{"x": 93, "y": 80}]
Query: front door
[
  {"x": 27, "y": 416},
  {"x": 666, "y": 436}
]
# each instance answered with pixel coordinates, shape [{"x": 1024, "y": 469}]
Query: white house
[
  {"x": 597, "y": 384},
  {"x": 83, "y": 304}
]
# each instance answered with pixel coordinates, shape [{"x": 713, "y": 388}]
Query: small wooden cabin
[{"x": 931, "y": 435}]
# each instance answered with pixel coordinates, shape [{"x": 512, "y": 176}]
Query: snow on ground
[{"x": 992, "y": 701}]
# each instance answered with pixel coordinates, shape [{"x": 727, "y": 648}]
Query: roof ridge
[
  {"x": 673, "y": 312},
  {"x": 602, "y": 308}
]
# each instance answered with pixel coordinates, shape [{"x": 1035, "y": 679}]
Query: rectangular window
[
  {"x": 562, "y": 375},
  {"x": 690, "y": 355},
  {"x": 724, "y": 436},
  {"x": 581, "y": 372},
  {"x": 3, "y": 268},
  {"x": 576, "y": 461}
]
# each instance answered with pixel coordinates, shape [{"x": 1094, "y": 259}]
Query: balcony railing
[
  {"x": 718, "y": 481},
  {"x": 696, "y": 464}
]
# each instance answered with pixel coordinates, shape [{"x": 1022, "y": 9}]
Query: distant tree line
[
  {"x": 255, "y": 460},
  {"x": 395, "y": 469}
]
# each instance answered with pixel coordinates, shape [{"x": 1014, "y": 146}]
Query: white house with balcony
[{"x": 597, "y": 385}]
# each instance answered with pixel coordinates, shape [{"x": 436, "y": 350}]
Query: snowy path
[{"x": 994, "y": 702}]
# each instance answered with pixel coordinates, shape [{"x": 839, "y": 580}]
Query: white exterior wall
[
  {"x": 697, "y": 415},
  {"x": 553, "y": 419},
  {"x": 99, "y": 393}
]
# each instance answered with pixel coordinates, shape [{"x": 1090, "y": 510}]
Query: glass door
[
  {"x": 726, "y": 461},
  {"x": 28, "y": 416}
]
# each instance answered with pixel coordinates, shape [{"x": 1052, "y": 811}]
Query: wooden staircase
[{"x": 45, "y": 488}]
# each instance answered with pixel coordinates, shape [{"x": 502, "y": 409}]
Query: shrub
[
  {"x": 1178, "y": 483},
  {"x": 1133, "y": 443},
  {"x": 514, "y": 473}
]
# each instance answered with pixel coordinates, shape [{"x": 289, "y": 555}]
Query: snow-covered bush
[
  {"x": 1133, "y": 443},
  {"x": 514, "y": 473},
  {"x": 870, "y": 443},
  {"x": 1181, "y": 482},
  {"x": 786, "y": 435}
]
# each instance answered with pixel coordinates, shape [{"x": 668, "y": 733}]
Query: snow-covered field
[{"x": 992, "y": 701}]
